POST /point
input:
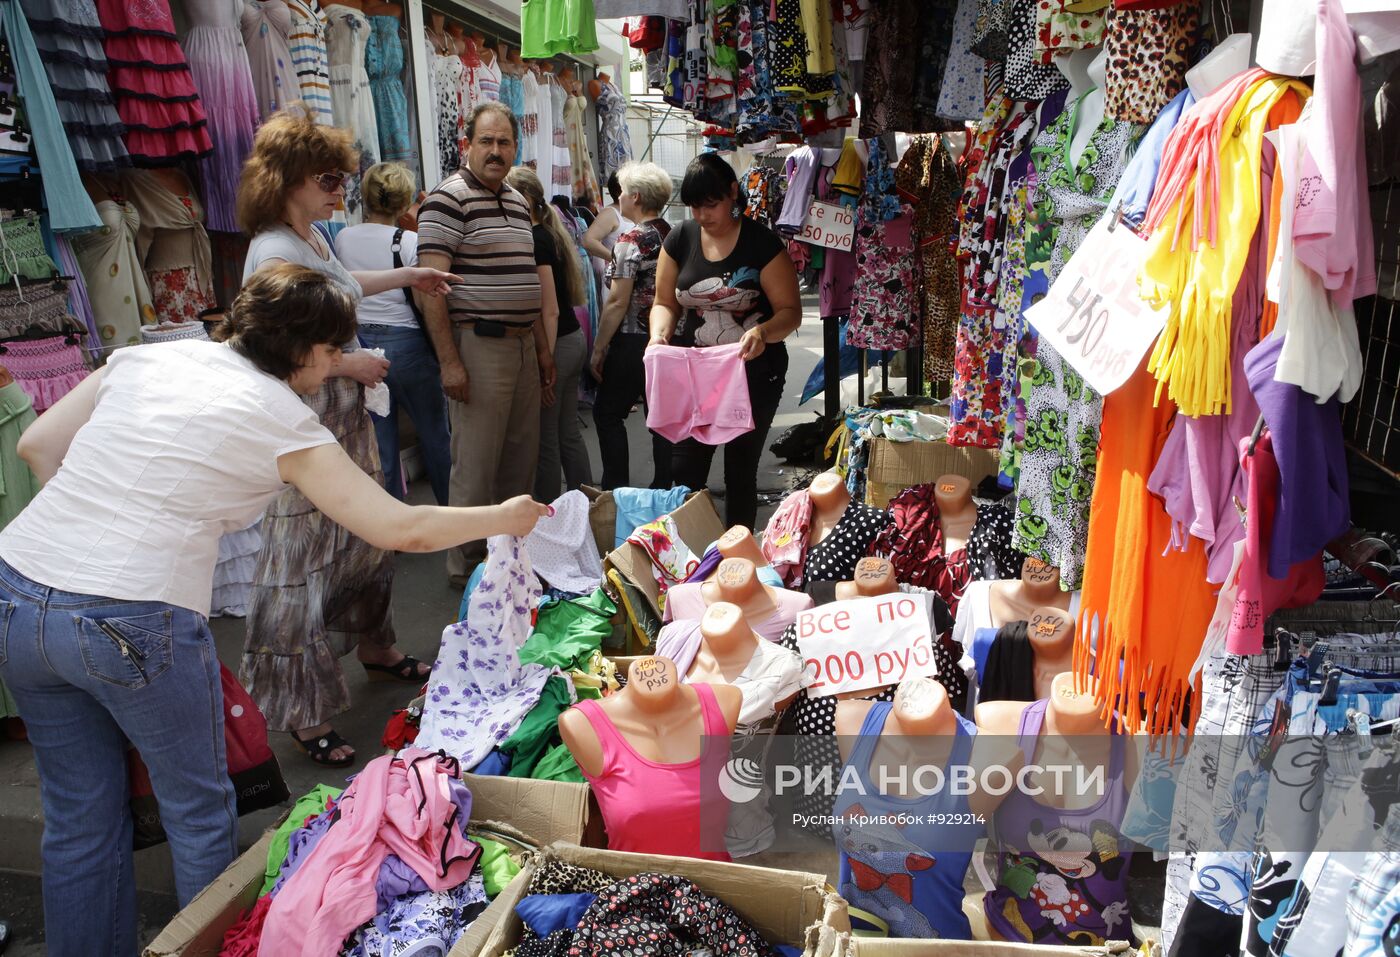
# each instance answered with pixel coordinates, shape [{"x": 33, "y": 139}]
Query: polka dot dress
[
  {"x": 989, "y": 552},
  {"x": 833, "y": 559}
]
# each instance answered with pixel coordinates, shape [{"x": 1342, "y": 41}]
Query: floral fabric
[
  {"x": 884, "y": 310},
  {"x": 1061, "y": 30},
  {"x": 176, "y": 295},
  {"x": 479, "y": 692},
  {"x": 1063, "y": 413}
]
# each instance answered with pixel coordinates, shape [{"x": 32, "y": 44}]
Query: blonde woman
[
  {"x": 561, "y": 289},
  {"x": 392, "y": 321}
]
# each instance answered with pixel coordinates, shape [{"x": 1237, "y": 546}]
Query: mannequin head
[
  {"x": 921, "y": 707},
  {"x": 1039, "y": 578},
  {"x": 725, "y": 631},
  {"x": 739, "y": 542},
  {"x": 1079, "y": 68},
  {"x": 829, "y": 493},
  {"x": 1051, "y": 633},
  {"x": 595, "y": 88},
  {"x": 652, "y": 683},
  {"x": 737, "y": 579},
  {"x": 873, "y": 576},
  {"x": 1070, "y": 711},
  {"x": 438, "y": 21},
  {"x": 952, "y": 492}
]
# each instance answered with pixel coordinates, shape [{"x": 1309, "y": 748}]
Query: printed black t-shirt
[{"x": 722, "y": 300}]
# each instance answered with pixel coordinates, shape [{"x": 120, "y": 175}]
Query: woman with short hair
[
  {"x": 392, "y": 321},
  {"x": 319, "y": 591},
  {"x": 733, "y": 279},
  {"x": 106, "y": 578},
  {"x": 621, "y": 339}
]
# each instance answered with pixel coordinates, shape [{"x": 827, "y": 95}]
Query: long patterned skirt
[{"x": 319, "y": 590}]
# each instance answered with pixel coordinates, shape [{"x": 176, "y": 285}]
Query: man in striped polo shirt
[{"x": 489, "y": 341}]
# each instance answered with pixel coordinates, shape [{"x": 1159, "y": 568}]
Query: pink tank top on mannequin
[{"x": 654, "y": 808}]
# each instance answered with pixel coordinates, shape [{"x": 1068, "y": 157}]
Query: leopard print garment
[{"x": 1148, "y": 53}]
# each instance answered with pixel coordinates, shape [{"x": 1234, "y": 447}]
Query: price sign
[
  {"x": 1093, "y": 315},
  {"x": 865, "y": 643},
  {"x": 829, "y": 224}
]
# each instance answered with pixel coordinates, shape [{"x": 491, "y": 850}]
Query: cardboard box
[
  {"x": 894, "y": 466},
  {"x": 541, "y": 812},
  {"x": 867, "y": 947},
  {"x": 784, "y": 906},
  {"x": 697, "y": 524},
  {"x": 602, "y": 517}
]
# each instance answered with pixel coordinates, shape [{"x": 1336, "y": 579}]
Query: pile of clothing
[
  {"x": 386, "y": 862},
  {"x": 571, "y": 910}
]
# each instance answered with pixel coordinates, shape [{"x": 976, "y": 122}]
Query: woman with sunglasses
[{"x": 318, "y": 591}]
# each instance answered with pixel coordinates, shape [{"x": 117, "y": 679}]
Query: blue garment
[
  {"x": 496, "y": 764},
  {"x": 546, "y": 913},
  {"x": 917, "y": 868},
  {"x": 1139, "y": 178},
  {"x": 415, "y": 382},
  {"x": 384, "y": 64},
  {"x": 70, "y": 208},
  {"x": 982, "y": 641},
  {"x": 83, "y": 693},
  {"x": 512, "y": 94},
  {"x": 638, "y": 506},
  {"x": 472, "y": 582}
]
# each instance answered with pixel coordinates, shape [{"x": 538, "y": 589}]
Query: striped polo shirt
[{"x": 489, "y": 239}]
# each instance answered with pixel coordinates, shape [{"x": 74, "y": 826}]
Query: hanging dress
[
  {"x": 222, "y": 74},
  {"x": 68, "y": 36},
  {"x": 562, "y": 179},
  {"x": 1057, "y": 465},
  {"x": 267, "y": 26},
  {"x": 352, "y": 103},
  {"x": 151, "y": 81},
  {"x": 173, "y": 247},
  {"x": 614, "y": 140},
  {"x": 447, "y": 77},
  {"x": 116, "y": 283},
  {"x": 309, "y": 58},
  {"x": 884, "y": 310},
  {"x": 928, "y": 175},
  {"x": 585, "y": 181},
  {"x": 384, "y": 64}
]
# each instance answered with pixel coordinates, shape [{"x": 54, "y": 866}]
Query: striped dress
[{"x": 308, "y": 44}]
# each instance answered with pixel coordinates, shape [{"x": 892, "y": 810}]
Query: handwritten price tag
[
  {"x": 829, "y": 224},
  {"x": 865, "y": 643},
  {"x": 1092, "y": 314}
]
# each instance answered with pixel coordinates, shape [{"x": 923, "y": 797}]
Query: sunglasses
[{"x": 330, "y": 182}]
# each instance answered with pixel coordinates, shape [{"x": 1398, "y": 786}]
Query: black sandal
[
  {"x": 319, "y": 749},
  {"x": 405, "y": 670}
]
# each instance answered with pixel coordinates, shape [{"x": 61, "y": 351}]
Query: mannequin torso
[
  {"x": 657, "y": 715},
  {"x": 727, "y": 645},
  {"x": 874, "y": 576},
  {"x": 739, "y": 542},
  {"x": 736, "y": 581},
  {"x": 1038, "y": 587},
  {"x": 829, "y": 500},
  {"x": 1051, "y": 634},
  {"x": 1085, "y": 70},
  {"x": 957, "y": 512}
]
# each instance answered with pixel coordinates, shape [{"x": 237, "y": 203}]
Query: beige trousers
[{"x": 496, "y": 434}]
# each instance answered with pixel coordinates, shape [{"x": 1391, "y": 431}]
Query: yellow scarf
[{"x": 1191, "y": 359}]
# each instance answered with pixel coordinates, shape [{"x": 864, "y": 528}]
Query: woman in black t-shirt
[
  {"x": 561, "y": 288},
  {"x": 734, "y": 281}
]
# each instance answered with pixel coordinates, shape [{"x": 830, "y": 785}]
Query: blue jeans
[
  {"x": 89, "y": 674},
  {"x": 415, "y": 382}
]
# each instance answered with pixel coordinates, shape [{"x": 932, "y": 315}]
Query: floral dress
[
  {"x": 614, "y": 141},
  {"x": 884, "y": 311},
  {"x": 986, "y": 340},
  {"x": 1057, "y": 464}
]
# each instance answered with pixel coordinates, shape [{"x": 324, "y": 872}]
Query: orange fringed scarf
[{"x": 1148, "y": 599}]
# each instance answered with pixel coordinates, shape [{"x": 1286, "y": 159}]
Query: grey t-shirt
[{"x": 280, "y": 242}]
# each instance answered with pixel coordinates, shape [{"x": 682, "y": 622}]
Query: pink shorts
[{"x": 700, "y": 394}]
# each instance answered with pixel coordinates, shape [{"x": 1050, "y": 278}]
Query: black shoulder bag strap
[{"x": 394, "y": 246}]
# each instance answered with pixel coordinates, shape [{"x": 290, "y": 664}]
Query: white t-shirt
[
  {"x": 366, "y": 246},
  {"x": 182, "y": 447}
]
